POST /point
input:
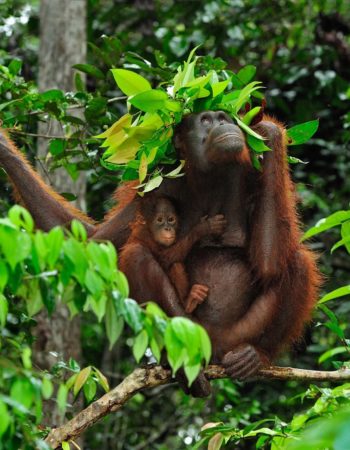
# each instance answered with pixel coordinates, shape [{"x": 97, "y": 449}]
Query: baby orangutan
[{"x": 156, "y": 229}]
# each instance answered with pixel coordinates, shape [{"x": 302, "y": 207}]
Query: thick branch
[{"x": 149, "y": 377}]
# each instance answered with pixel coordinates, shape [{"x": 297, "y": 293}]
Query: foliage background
[{"x": 306, "y": 74}]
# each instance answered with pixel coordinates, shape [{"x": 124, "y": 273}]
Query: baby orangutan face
[{"x": 163, "y": 226}]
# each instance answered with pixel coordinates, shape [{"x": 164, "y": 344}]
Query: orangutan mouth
[{"x": 225, "y": 137}]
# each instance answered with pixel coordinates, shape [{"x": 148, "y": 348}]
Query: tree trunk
[{"x": 62, "y": 44}]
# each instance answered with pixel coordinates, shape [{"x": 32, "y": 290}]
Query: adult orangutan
[{"x": 262, "y": 281}]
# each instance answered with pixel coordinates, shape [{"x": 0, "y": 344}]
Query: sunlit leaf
[
  {"x": 140, "y": 345},
  {"x": 130, "y": 83},
  {"x": 302, "y": 132},
  {"x": 123, "y": 122},
  {"x": 340, "y": 292},
  {"x": 249, "y": 116},
  {"x": 329, "y": 222},
  {"x": 150, "y": 101},
  {"x": 81, "y": 379}
]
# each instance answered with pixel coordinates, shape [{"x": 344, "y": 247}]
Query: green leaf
[
  {"x": 172, "y": 105},
  {"x": 143, "y": 167},
  {"x": 81, "y": 380},
  {"x": 94, "y": 283},
  {"x": 23, "y": 392},
  {"x": 293, "y": 160},
  {"x": 27, "y": 357},
  {"x": 5, "y": 418},
  {"x": 257, "y": 145},
  {"x": 78, "y": 82},
  {"x": 302, "y": 132},
  {"x": 57, "y": 146},
  {"x": 332, "y": 352},
  {"x": 340, "y": 292},
  {"x": 54, "y": 240},
  {"x": 125, "y": 152},
  {"x": 133, "y": 315},
  {"x": 10, "y": 239},
  {"x": 123, "y": 122},
  {"x": 62, "y": 399},
  {"x": 218, "y": 88},
  {"x": 21, "y": 217},
  {"x": 245, "y": 94},
  {"x": 52, "y": 95},
  {"x": 15, "y": 66},
  {"x": 34, "y": 300},
  {"x": 130, "y": 83},
  {"x": 90, "y": 389},
  {"x": 46, "y": 388},
  {"x": 345, "y": 233},
  {"x": 75, "y": 252},
  {"x": 4, "y": 275},
  {"x": 150, "y": 101},
  {"x": 153, "y": 183},
  {"x": 78, "y": 230},
  {"x": 249, "y": 116},
  {"x": 4, "y": 308},
  {"x": 140, "y": 345},
  {"x": 176, "y": 172},
  {"x": 65, "y": 445},
  {"x": 248, "y": 129},
  {"x": 98, "y": 305},
  {"x": 345, "y": 241},
  {"x": 102, "y": 379},
  {"x": 247, "y": 73},
  {"x": 122, "y": 284},
  {"x": 329, "y": 222},
  {"x": 174, "y": 348},
  {"x": 90, "y": 70},
  {"x": 191, "y": 372},
  {"x": 205, "y": 344},
  {"x": 114, "y": 323}
]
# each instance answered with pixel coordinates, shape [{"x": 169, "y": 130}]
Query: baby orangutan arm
[{"x": 179, "y": 251}]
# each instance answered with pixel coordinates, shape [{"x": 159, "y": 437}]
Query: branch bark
[{"x": 149, "y": 377}]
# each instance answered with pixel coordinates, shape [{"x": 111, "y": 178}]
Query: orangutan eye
[
  {"x": 159, "y": 219},
  {"x": 171, "y": 219},
  {"x": 206, "y": 119},
  {"x": 222, "y": 118}
]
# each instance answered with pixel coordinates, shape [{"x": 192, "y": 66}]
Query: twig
[
  {"x": 145, "y": 378},
  {"x": 44, "y": 136},
  {"x": 47, "y": 274},
  {"x": 72, "y": 107}
]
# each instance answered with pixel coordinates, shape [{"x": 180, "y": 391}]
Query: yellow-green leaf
[
  {"x": 125, "y": 152},
  {"x": 250, "y": 115},
  {"x": 219, "y": 87},
  {"x": 81, "y": 379},
  {"x": 102, "y": 379},
  {"x": 143, "y": 167},
  {"x": 124, "y": 121}
]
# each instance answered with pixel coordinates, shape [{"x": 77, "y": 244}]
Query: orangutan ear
[{"x": 140, "y": 219}]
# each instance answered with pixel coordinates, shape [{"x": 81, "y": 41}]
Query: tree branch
[{"x": 149, "y": 377}]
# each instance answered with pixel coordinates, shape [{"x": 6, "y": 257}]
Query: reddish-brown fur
[
  {"x": 171, "y": 258},
  {"x": 262, "y": 281}
]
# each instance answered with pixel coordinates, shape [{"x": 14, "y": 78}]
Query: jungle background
[{"x": 301, "y": 50}]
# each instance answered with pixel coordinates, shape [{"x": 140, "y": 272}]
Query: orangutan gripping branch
[{"x": 262, "y": 281}]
